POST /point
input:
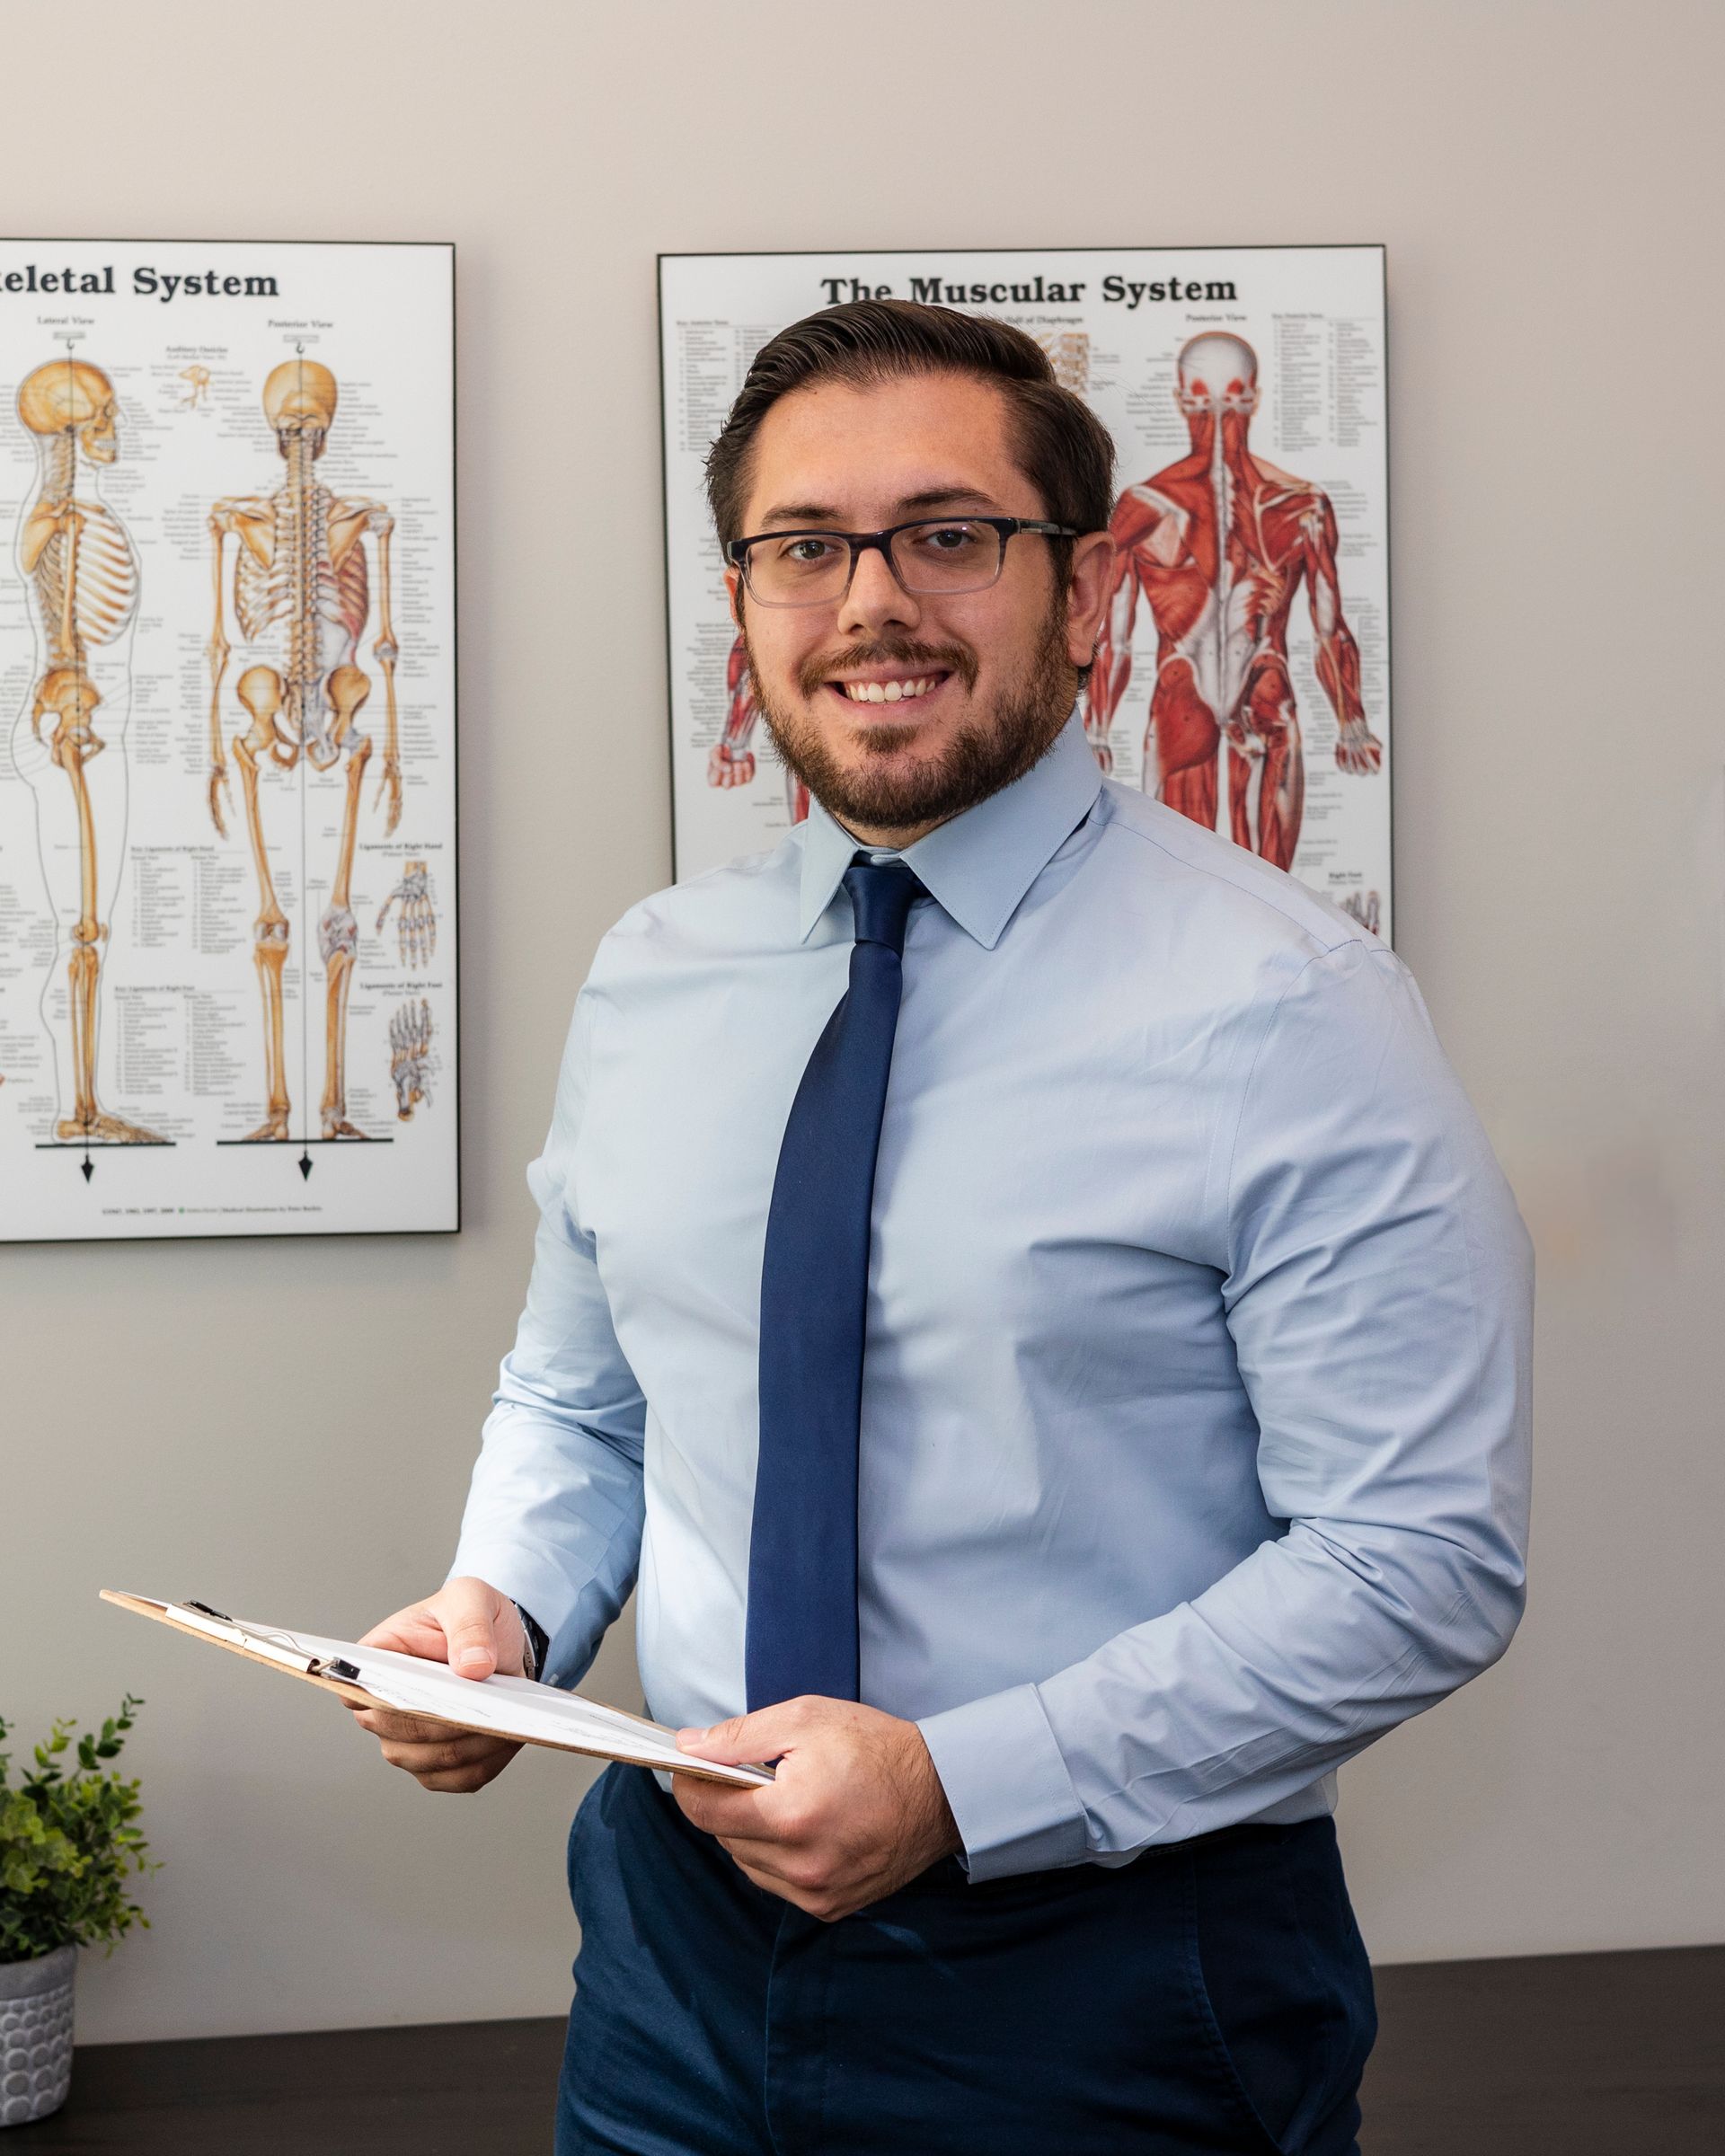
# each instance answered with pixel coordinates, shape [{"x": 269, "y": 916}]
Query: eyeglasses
[{"x": 936, "y": 555}]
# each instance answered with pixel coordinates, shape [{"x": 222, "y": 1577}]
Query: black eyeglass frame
[{"x": 1005, "y": 527}]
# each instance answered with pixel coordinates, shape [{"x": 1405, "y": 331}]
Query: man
[{"x": 1018, "y": 1283}]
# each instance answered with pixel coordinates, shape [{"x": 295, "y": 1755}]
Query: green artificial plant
[{"x": 68, "y": 1847}]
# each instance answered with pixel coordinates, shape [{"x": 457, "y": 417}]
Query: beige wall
[{"x": 285, "y": 1427}]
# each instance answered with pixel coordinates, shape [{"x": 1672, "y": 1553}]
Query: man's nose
[{"x": 876, "y": 599}]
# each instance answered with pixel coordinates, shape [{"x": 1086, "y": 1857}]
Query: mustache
[{"x": 889, "y": 651}]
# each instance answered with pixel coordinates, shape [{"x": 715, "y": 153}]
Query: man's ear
[
  {"x": 734, "y": 594},
  {"x": 1088, "y": 591}
]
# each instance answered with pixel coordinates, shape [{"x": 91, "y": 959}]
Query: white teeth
[{"x": 889, "y": 692}]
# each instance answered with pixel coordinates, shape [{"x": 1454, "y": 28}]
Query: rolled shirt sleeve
[
  {"x": 554, "y": 1513},
  {"x": 1377, "y": 1285}
]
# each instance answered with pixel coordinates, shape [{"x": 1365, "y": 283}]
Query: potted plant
[{"x": 69, "y": 1853}]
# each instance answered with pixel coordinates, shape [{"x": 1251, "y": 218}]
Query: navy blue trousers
[{"x": 1212, "y": 1996}]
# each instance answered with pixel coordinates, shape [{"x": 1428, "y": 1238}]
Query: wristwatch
[{"x": 538, "y": 1644}]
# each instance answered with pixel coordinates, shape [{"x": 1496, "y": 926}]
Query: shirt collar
[{"x": 979, "y": 866}]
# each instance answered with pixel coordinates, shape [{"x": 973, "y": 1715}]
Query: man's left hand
[{"x": 854, "y": 1810}]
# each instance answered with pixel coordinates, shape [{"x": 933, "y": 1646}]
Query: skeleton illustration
[
  {"x": 78, "y": 560},
  {"x": 409, "y": 1057},
  {"x": 1363, "y": 906},
  {"x": 416, "y": 925},
  {"x": 731, "y": 761},
  {"x": 302, "y": 595},
  {"x": 199, "y": 377},
  {"x": 1217, "y": 544}
]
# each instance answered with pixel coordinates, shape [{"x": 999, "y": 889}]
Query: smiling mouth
[{"x": 905, "y": 690}]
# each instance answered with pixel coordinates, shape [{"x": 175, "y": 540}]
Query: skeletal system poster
[
  {"x": 1244, "y": 669},
  {"x": 227, "y": 864}
]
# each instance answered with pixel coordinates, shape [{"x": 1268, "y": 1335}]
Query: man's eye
[
  {"x": 948, "y": 539},
  {"x": 807, "y": 553}
]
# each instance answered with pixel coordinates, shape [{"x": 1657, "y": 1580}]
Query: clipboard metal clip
[{"x": 278, "y": 1647}]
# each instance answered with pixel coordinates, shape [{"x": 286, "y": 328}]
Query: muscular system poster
[
  {"x": 1244, "y": 673},
  {"x": 227, "y": 755}
]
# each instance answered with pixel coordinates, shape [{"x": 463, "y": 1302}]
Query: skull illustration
[
  {"x": 299, "y": 399},
  {"x": 69, "y": 395},
  {"x": 1218, "y": 373}
]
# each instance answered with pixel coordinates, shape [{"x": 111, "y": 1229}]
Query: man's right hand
[{"x": 476, "y": 1631}]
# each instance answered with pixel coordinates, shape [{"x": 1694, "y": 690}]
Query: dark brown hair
[{"x": 1062, "y": 448}]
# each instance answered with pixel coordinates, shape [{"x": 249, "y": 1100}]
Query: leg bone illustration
[
  {"x": 302, "y": 600},
  {"x": 78, "y": 560},
  {"x": 409, "y": 1057},
  {"x": 416, "y": 925}
]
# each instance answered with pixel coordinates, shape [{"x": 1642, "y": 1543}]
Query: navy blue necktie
[{"x": 802, "y": 1634}]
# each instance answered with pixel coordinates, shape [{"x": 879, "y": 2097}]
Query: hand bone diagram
[
  {"x": 416, "y": 925},
  {"x": 302, "y": 601}
]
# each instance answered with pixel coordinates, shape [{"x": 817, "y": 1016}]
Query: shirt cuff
[
  {"x": 1011, "y": 1797},
  {"x": 530, "y": 1580}
]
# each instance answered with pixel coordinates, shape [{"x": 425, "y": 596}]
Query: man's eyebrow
[
  {"x": 934, "y": 498},
  {"x": 822, "y": 514},
  {"x": 798, "y": 512}
]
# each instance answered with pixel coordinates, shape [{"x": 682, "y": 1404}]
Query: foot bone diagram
[
  {"x": 409, "y": 1057},
  {"x": 1363, "y": 906},
  {"x": 302, "y": 600}
]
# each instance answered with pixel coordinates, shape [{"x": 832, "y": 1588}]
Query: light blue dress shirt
[{"x": 1195, "y": 1408}]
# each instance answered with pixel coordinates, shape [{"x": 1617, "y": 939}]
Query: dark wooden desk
[{"x": 1583, "y": 2055}]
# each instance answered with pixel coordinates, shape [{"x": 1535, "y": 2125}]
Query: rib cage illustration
[{"x": 85, "y": 579}]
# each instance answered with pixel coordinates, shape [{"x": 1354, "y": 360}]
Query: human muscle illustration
[
  {"x": 416, "y": 925},
  {"x": 79, "y": 561},
  {"x": 1217, "y": 545},
  {"x": 409, "y": 1057},
  {"x": 302, "y": 600},
  {"x": 731, "y": 761}
]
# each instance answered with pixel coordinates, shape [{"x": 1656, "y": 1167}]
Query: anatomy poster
[
  {"x": 227, "y": 751},
  {"x": 1244, "y": 672}
]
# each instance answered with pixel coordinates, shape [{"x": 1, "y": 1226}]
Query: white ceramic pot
[{"x": 35, "y": 2034}]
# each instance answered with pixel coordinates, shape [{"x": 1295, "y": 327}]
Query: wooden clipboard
[{"x": 279, "y": 1651}]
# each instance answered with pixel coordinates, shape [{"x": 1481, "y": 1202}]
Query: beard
[{"x": 986, "y": 755}]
